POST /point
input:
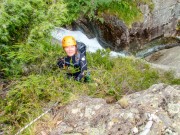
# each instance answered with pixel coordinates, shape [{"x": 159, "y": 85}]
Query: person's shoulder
[{"x": 80, "y": 44}]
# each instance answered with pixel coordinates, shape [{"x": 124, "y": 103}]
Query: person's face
[{"x": 70, "y": 50}]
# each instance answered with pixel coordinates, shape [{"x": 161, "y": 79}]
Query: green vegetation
[
  {"x": 28, "y": 63},
  {"x": 126, "y": 10},
  {"x": 27, "y": 24},
  {"x": 123, "y": 9},
  {"x": 45, "y": 84}
]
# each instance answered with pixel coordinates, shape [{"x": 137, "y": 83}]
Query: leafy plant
[
  {"x": 27, "y": 23},
  {"x": 123, "y": 9},
  {"x": 100, "y": 58},
  {"x": 126, "y": 10}
]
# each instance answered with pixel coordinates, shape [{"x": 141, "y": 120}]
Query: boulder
[{"x": 152, "y": 111}]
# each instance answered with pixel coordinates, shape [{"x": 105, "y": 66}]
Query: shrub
[
  {"x": 126, "y": 10},
  {"x": 101, "y": 58},
  {"x": 24, "y": 24}
]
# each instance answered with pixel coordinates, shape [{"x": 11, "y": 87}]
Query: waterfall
[{"x": 92, "y": 45}]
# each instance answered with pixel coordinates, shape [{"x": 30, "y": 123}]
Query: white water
[{"x": 92, "y": 45}]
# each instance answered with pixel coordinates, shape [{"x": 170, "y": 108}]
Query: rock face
[
  {"x": 167, "y": 59},
  {"x": 113, "y": 33},
  {"x": 155, "y": 111}
]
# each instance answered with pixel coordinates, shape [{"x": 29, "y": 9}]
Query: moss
[
  {"x": 127, "y": 11},
  {"x": 148, "y": 2}
]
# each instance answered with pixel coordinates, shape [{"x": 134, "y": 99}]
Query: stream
[{"x": 92, "y": 45}]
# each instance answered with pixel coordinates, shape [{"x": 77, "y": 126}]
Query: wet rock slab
[
  {"x": 155, "y": 111},
  {"x": 167, "y": 60}
]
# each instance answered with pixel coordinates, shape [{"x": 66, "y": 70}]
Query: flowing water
[{"x": 92, "y": 45}]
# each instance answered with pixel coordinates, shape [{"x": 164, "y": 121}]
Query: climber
[{"x": 75, "y": 62}]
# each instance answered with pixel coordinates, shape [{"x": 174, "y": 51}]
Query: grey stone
[
  {"x": 167, "y": 60},
  {"x": 93, "y": 116}
]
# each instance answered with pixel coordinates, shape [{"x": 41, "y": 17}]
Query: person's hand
[{"x": 61, "y": 62}]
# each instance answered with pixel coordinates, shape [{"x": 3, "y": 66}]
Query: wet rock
[
  {"x": 84, "y": 25},
  {"x": 161, "y": 21},
  {"x": 152, "y": 111},
  {"x": 169, "y": 57},
  {"x": 166, "y": 60}
]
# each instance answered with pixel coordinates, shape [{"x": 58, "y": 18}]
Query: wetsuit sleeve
[
  {"x": 82, "y": 48},
  {"x": 61, "y": 62},
  {"x": 83, "y": 67}
]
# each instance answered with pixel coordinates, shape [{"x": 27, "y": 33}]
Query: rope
[{"x": 55, "y": 104}]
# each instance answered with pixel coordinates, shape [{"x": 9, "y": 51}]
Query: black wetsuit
[{"x": 77, "y": 62}]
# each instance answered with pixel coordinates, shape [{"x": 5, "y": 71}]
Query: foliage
[
  {"x": 32, "y": 58},
  {"x": 25, "y": 23},
  {"x": 29, "y": 22},
  {"x": 21, "y": 19},
  {"x": 28, "y": 59},
  {"x": 100, "y": 59},
  {"x": 127, "y": 10},
  {"x": 46, "y": 84},
  {"x": 86, "y": 8}
]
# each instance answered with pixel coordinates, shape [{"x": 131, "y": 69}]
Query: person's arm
[
  {"x": 83, "y": 67},
  {"x": 61, "y": 63}
]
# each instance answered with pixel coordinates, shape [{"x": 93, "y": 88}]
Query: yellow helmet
[{"x": 68, "y": 41}]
